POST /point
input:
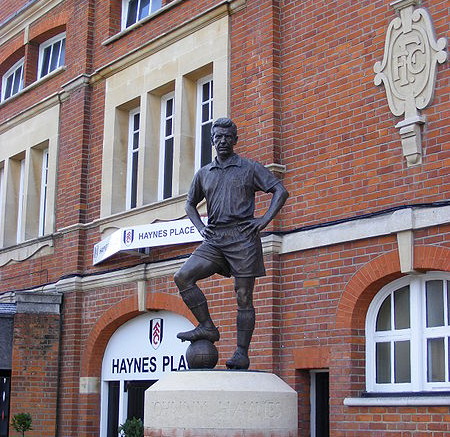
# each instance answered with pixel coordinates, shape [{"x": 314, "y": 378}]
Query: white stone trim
[
  {"x": 89, "y": 385},
  {"x": 400, "y": 401},
  {"x": 42, "y": 246},
  {"x": 26, "y": 16},
  {"x": 390, "y": 223}
]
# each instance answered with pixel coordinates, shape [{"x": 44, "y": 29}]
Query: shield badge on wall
[
  {"x": 156, "y": 332},
  {"x": 128, "y": 236}
]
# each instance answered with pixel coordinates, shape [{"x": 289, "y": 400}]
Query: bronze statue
[{"x": 232, "y": 243}]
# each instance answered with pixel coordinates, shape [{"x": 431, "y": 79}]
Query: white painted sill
[{"x": 398, "y": 401}]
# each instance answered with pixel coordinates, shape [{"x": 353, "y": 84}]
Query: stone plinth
[{"x": 218, "y": 403}]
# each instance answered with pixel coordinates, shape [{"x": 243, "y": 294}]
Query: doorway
[{"x": 320, "y": 406}]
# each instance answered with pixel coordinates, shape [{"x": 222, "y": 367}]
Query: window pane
[
  {"x": 55, "y": 55},
  {"x": 205, "y": 112},
  {"x": 8, "y": 87},
  {"x": 168, "y": 168},
  {"x": 43, "y": 199},
  {"x": 132, "y": 12},
  {"x": 17, "y": 80},
  {"x": 206, "y": 144},
  {"x": 62, "y": 53},
  {"x": 144, "y": 9},
  {"x": 402, "y": 361},
  {"x": 113, "y": 408},
  {"x": 134, "y": 177},
  {"x": 383, "y": 360},
  {"x": 384, "y": 315},
  {"x": 436, "y": 360},
  {"x": 205, "y": 92},
  {"x": 401, "y": 308},
  {"x": 136, "y": 118},
  {"x": 169, "y": 107},
  {"x": 45, "y": 61},
  {"x": 435, "y": 303},
  {"x": 448, "y": 302},
  {"x": 156, "y": 4},
  {"x": 169, "y": 131}
]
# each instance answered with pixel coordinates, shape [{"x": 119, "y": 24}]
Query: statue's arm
[
  {"x": 279, "y": 197},
  {"x": 194, "y": 216}
]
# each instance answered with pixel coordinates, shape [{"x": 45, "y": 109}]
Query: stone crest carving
[{"x": 408, "y": 71}]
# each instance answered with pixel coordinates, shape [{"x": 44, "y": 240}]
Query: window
[
  {"x": 204, "y": 122},
  {"x": 12, "y": 81},
  {"x": 166, "y": 148},
  {"x": 177, "y": 105},
  {"x": 24, "y": 182},
  {"x": 43, "y": 194},
  {"x": 132, "y": 158},
  {"x": 51, "y": 55},
  {"x": 28, "y": 183},
  {"x": 408, "y": 334},
  {"x": 20, "y": 201},
  {"x": 135, "y": 10}
]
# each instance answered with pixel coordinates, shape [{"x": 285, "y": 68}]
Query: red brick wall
[
  {"x": 302, "y": 94},
  {"x": 35, "y": 371}
]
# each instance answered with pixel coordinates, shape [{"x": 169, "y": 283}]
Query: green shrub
[
  {"x": 132, "y": 428},
  {"x": 22, "y": 422}
]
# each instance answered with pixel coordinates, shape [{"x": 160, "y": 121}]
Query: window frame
[
  {"x": 43, "y": 193},
  {"x": 11, "y": 73},
  {"x": 21, "y": 203},
  {"x": 132, "y": 180},
  {"x": 199, "y": 123},
  {"x": 61, "y": 37},
  {"x": 163, "y": 188},
  {"x": 125, "y": 12},
  {"x": 417, "y": 334}
]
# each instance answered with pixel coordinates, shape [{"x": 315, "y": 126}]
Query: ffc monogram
[{"x": 410, "y": 59}]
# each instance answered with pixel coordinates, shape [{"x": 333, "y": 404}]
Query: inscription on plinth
[{"x": 221, "y": 400}]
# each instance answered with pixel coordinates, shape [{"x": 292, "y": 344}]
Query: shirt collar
[{"x": 234, "y": 160}]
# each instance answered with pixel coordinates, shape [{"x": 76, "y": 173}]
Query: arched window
[{"x": 408, "y": 335}]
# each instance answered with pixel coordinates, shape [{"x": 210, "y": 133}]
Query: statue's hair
[{"x": 224, "y": 122}]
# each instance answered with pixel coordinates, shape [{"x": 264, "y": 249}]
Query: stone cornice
[
  {"x": 217, "y": 12},
  {"x": 24, "y": 17}
]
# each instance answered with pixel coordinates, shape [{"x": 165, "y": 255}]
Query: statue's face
[{"x": 224, "y": 141}]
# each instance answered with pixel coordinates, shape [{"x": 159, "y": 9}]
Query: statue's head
[
  {"x": 224, "y": 122},
  {"x": 224, "y": 137}
]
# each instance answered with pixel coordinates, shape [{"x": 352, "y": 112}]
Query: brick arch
[
  {"x": 49, "y": 27},
  {"x": 91, "y": 361},
  {"x": 370, "y": 278}
]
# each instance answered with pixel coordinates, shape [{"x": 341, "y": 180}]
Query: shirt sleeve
[
  {"x": 264, "y": 179},
  {"x": 195, "y": 194}
]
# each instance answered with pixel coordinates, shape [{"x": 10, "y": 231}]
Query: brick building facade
[{"x": 104, "y": 113}]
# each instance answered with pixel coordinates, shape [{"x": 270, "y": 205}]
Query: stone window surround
[
  {"x": 28, "y": 140},
  {"x": 205, "y": 53}
]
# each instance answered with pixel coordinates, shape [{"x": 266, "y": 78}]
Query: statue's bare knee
[{"x": 183, "y": 279}]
